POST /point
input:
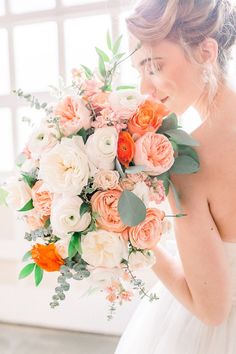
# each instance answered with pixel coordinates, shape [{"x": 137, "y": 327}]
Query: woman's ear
[{"x": 208, "y": 49}]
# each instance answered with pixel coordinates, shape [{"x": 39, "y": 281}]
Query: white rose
[
  {"x": 103, "y": 249},
  {"x": 101, "y": 148},
  {"x": 65, "y": 215},
  {"x": 19, "y": 193},
  {"x": 138, "y": 260},
  {"x": 125, "y": 101},
  {"x": 102, "y": 277},
  {"x": 106, "y": 180},
  {"x": 42, "y": 140},
  {"x": 141, "y": 190},
  {"x": 62, "y": 247},
  {"x": 65, "y": 169}
]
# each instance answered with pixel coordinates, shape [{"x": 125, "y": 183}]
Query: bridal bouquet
[{"x": 90, "y": 178}]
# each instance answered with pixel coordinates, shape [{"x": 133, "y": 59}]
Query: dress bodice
[{"x": 230, "y": 248}]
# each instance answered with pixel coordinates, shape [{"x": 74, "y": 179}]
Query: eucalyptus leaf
[
  {"x": 119, "y": 168},
  {"x": 125, "y": 87},
  {"x": 27, "y": 270},
  {"x": 184, "y": 165},
  {"x": 38, "y": 275},
  {"x": 164, "y": 177},
  {"x": 181, "y": 137},
  {"x": 170, "y": 122},
  {"x": 28, "y": 206},
  {"x": 27, "y": 256},
  {"x": 132, "y": 210},
  {"x": 176, "y": 196},
  {"x": 189, "y": 151}
]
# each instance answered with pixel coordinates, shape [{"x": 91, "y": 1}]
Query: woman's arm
[{"x": 202, "y": 282}]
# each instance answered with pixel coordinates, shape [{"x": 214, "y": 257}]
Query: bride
[{"x": 183, "y": 59}]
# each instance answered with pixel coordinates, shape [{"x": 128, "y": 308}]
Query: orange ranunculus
[
  {"x": 125, "y": 148},
  {"x": 148, "y": 118},
  {"x": 47, "y": 257}
]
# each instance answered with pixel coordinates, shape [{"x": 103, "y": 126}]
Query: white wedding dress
[{"x": 165, "y": 326}]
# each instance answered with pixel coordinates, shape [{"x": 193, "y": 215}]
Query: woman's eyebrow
[{"x": 148, "y": 59}]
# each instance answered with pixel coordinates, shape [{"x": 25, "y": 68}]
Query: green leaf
[
  {"x": 164, "y": 177},
  {"x": 102, "y": 68},
  {"x": 119, "y": 56},
  {"x": 47, "y": 223},
  {"x": 109, "y": 43},
  {"x": 132, "y": 210},
  {"x": 176, "y": 196},
  {"x": 184, "y": 165},
  {"x": 174, "y": 145},
  {"x": 84, "y": 208},
  {"x": 102, "y": 54},
  {"x": 27, "y": 206},
  {"x": 88, "y": 72},
  {"x": 74, "y": 245},
  {"x": 189, "y": 151},
  {"x": 135, "y": 169},
  {"x": 3, "y": 196},
  {"x": 181, "y": 137},
  {"x": 27, "y": 256},
  {"x": 38, "y": 275},
  {"x": 20, "y": 159},
  {"x": 29, "y": 179},
  {"x": 125, "y": 87},
  {"x": 82, "y": 132},
  {"x": 170, "y": 122},
  {"x": 116, "y": 45},
  {"x": 77, "y": 244},
  {"x": 27, "y": 270}
]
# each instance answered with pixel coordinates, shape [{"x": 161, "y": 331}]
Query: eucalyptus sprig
[{"x": 34, "y": 102}]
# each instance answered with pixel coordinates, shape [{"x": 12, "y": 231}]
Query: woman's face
[{"x": 176, "y": 81}]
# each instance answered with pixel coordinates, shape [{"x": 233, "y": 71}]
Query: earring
[{"x": 207, "y": 73}]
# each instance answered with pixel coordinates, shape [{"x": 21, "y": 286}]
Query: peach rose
[
  {"x": 106, "y": 179},
  {"x": 42, "y": 198},
  {"x": 155, "y": 152},
  {"x": 73, "y": 115},
  {"x": 106, "y": 205},
  {"x": 146, "y": 234},
  {"x": 35, "y": 221},
  {"x": 148, "y": 118}
]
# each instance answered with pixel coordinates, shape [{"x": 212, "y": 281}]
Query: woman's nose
[{"x": 147, "y": 88}]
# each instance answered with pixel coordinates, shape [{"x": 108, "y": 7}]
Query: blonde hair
[{"x": 188, "y": 22}]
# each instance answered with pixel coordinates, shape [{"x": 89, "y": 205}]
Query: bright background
[{"x": 40, "y": 41}]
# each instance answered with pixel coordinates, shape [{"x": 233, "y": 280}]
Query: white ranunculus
[
  {"x": 29, "y": 165},
  {"x": 103, "y": 249},
  {"x": 65, "y": 215},
  {"x": 42, "y": 140},
  {"x": 141, "y": 190},
  {"x": 125, "y": 100},
  {"x": 65, "y": 169},
  {"x": 101, "y": 148},
  {"x": 19, "y": 193},
  {"x": 102, "y": 277},
  {"x": 138, "y": 260}
]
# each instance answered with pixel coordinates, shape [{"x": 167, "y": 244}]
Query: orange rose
[
  {"x": 146, "y": 234},
  {"x": 148, "y": 118},
  {"x": 125, "y": 148},
  {"x": 42, "y": 198},
  {"x": 106, "y": 205},
  {"x": 47, "y": 257}
]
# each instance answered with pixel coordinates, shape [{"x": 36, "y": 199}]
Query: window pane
[
  {"x": 2, "y": 7},
  {"x": 20, "y": 6},
  {"x": 24, "y": 128},
  {"x": 36, "y": 56},
  {"x": 4, "y": 67},
  {"x": 81, "y": 38},
  {"x": 79, "y": 2},
  {"x": 129, "y": 75},
  {"x": 6, "y": 141}
]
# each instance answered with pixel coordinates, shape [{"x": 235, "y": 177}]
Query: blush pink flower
[
  {"x": 157, "y": 191},
  {"x": 35, "y": 220},
  {"x": 42, "y": 198},
  {"x": 155, "y": 152},
  {"x": 148, "y": 233},
  {"x": 106, "y": 205}
]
